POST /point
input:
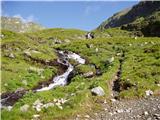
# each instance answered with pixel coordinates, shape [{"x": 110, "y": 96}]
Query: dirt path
[{"x": 138, "y": 109}]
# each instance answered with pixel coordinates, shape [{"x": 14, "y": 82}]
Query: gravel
[{"x": 136, "y": 109}]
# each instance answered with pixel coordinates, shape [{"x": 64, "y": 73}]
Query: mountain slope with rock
[
  {"x": 59, "y": 74},
  {"x": 16, "y": 24},
  {"x": 144, "y": 15}
]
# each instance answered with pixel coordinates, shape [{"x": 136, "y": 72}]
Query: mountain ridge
[
  {"x": 16, "y": 24},
  {"x": 142, "y": 10}
]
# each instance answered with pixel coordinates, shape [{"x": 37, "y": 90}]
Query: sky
[{"x": 85, "y": 15}]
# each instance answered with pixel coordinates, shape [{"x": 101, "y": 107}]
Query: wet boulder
[{"x": 98, "y": 91}]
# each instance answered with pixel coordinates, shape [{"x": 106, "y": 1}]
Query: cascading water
[{"x": 61, "y": 80}]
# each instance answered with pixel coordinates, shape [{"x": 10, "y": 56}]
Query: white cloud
[
  {"x": 91, "y": 9},
  {"x": 30, "y": 18}
]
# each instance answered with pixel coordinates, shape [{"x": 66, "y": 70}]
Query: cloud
[
  {"x": 29, "y": 18},
  {"x": 91, "y": 9}
]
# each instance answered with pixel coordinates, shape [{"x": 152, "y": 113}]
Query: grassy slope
[
  {"x": 141, "y": 66},
  {"x": 113, "y": 32},
  {"x": 15, "y": 70}
]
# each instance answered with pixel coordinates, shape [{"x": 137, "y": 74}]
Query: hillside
[
  {"x": 144, "y": 15},
  {"x": 29, "y": 61},
  {"x": 58, "y": 74},
  {"x": 17, "y": 25}
]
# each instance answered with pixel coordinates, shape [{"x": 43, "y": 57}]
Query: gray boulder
[{"x": 98, "y": 91}]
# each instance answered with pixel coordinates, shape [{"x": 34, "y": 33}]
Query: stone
[
  {"x": 149, "y": 118},
  {"x": 73, "y": 94},
  {"x": 88, "y": 74},
  {"x": 58, "y": 103},
  {"x": 145, "y": 43},
  {"x": 118, "y": 54},
  {"x": 24, "y": 108},
  {"x": 20, "y": 89},
  {"x": 98, "y": 91},
  {"x": 145, "y": 113},
  {"x": 158, "y": 85},
  {"x": 36, "y": 116},
  {"x": 128, "y": 110},
  {"x": 56, "y": 41},
  {"x": 157, "y": 116},
  {"x": 27, "y": 53},
  {"x": 37, "y": 102},
  {"x": 113, "y": 100},
  {"x": 48, "y": 105},
  {"x": 36, "y": 52},
  {"x": 135, "y": 38},
  {"x": 42, "y": 77},
  {"x": 91, "y": 46},
  {"x": 55, "y": 100},
  {"x": 60, "y": 107},
  {"x": 111, "y": 113},
  {"x": 111, "y": 59},
  {"x": 9, "y": 108},
  {"x": 6, "y": 84},
  {"x": 149, "y": 92},
  {"x": 67, "y": 40},
  {"x": 11, "y": 55},
  {"x": 1, "y": 36},
  {"x": 38, "y": 105},
  {"x": 152, "y": 43},
  {"x": 37, "y": 70},
  {"x": 105, "y": 102},
  {"x": 17, "y": 49},
  {"x": 96, "y": 49},
  {"x": 119, "y": 111},
  {"x": 63, "y": 101},
  {"x": 24, "y": 82},
  {"x": 87, "y": 116}
]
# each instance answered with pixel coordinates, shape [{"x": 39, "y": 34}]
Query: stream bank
[{"x": 10, "y": 98}]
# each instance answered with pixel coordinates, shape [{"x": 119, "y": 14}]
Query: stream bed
[{"x": 9, "y": 99}]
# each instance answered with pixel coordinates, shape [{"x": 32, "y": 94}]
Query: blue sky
[{"x": 80, "y": 15}]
